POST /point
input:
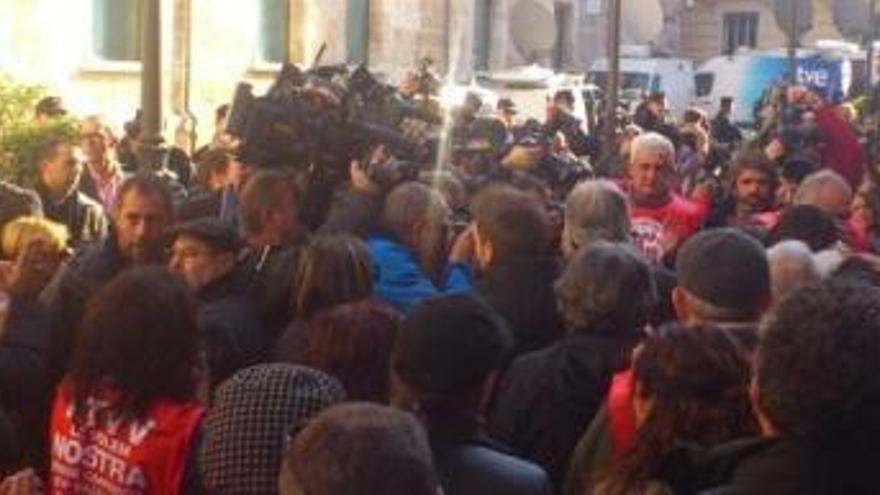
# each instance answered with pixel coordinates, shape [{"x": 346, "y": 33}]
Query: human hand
[
  {"x": 523, "y": 157},
  {"x": 34, "y": 268},
  {"x": 464, "y": 247},
  {"x": 24, "y": 482}
]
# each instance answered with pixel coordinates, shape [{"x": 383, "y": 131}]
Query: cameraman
[
  {"x": 841, "y": 151},
  {"x": 561, "y": 119}
]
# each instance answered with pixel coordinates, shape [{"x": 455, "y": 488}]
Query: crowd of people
[{"x": 701, "y": 316}]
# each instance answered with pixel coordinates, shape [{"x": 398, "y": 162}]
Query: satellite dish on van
[
  {"x": 532, "y": 29},
  {"x": 794, "y": 17},
  {"x": 852, "y": 18},
  {"x": 642, "y": 20}
]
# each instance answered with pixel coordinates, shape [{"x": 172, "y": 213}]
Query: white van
[
  {"x": 746, "y": 76},
  {"x": 641, "y": 76}
]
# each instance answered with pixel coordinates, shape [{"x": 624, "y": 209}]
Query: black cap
[
  {"x": 51, "y": 106},
  {"x": 219, "y": 235},
  {"x": 724, "y": 267}
]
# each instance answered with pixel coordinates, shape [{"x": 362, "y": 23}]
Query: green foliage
[{"x": 21, "y": 136}]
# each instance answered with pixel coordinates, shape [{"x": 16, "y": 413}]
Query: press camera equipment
[
  {"x": 561, "y": 170},
  {"x": 322, "y": 118}
]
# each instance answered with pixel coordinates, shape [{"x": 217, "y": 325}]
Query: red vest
[{"x": 120, "y": 457}]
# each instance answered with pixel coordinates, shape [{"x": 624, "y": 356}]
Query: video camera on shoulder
[{"x": 320, "y": 119}]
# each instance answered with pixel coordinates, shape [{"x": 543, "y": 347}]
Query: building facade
[
  {"x": 700, "y": 29},
  {"x": 88, "y": 51}
]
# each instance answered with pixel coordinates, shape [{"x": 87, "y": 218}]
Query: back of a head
[
  {"x": 808, "y": 224},
  {"x": 596, "y": 210},
  {"x": 698, "y": 378},
  {"x": 408, "y": 205},
  {"x": 262, "y": 192},
  {"x": 825, "y": 189},
  {"x": 252, "y": 415},
  {"x": 725, "y": 273},
  {"x": 448, "y": 347},
  {"x": 818, "y": 368},
  {"x": 353, "y": 343},
  {"x": 514, "y": 222},
  {"x": 360, "y": 449},
  {"x": 139, "y": 333},
  {"x": 791, "y": 266},
  {"x": 333, "y": 269},
  {"x": 606, "y": 287}
]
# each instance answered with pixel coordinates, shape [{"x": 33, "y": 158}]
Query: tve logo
[{"x": 810, "y": 76}]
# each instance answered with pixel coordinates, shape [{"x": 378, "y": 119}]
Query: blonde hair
[{"x": 22, "y": 231}]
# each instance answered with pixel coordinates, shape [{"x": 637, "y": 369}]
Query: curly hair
[
  {"x": 818, "y": 363},
  {"x": 138, "y": 336}
]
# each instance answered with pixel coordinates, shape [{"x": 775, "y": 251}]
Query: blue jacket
[{"x": 399, "y": 280}]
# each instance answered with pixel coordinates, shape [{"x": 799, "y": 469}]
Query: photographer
[
  {"x": 841, "y": 151},
  {"x": 356, "y": 207}
]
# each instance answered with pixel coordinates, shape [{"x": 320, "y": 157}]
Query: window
[
  {"x": 116, "y": 30},
  {"x": 740, "y": 29},
  {"x": 704, "y": 82},
  {"x": 274, "y": 29}
]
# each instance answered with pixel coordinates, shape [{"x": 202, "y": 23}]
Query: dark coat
[
  {"x": 353, "y": 212},
  {"x": 548, "y": 397},
  {"x": 780, "y": 466},
  {"x": 233, "y": 335},
  {"x": 25, "y": 385},
  {"x": 269, "y": 272},
  {"x": 521, "y": 291},
  {"x": 478, "y": 466},
  {"x": 83, "y": 216},
  {"x": 87, "y": 272}
]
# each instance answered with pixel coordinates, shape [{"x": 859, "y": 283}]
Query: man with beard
[
  {"x": 142, "y": 212},
  {"x": 409, "y": 254},
  {"x": 661, "y": 219},
  {"x": 751, "y": 198}
]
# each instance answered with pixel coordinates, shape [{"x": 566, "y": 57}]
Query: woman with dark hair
[
  {"x": 691, "y": 389},
  {"x": 865, "y": 220},
  {"x": 332, "y": 270},
  {"x": 126, "y": 414},
  {"x": 352, "y": 342}
]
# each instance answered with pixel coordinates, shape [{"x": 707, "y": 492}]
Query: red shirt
[
  {"x": 113, "y": 456},
  {"x": 678, "y": 219}
]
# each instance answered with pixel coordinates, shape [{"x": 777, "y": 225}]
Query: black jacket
[
  {"x": 269, "y": 272},
  {"x": 83, "y": 216},
  {"x": 87, "y": 272},
  {"x": 25, "y": 386},
  {"x": 477, "y": 466},
  {"x": 233, "y": 335},
  {"x": 548, "y": 397},
  {"x": 521, "y": 291},
  {"x": 783, "y": 467}
]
